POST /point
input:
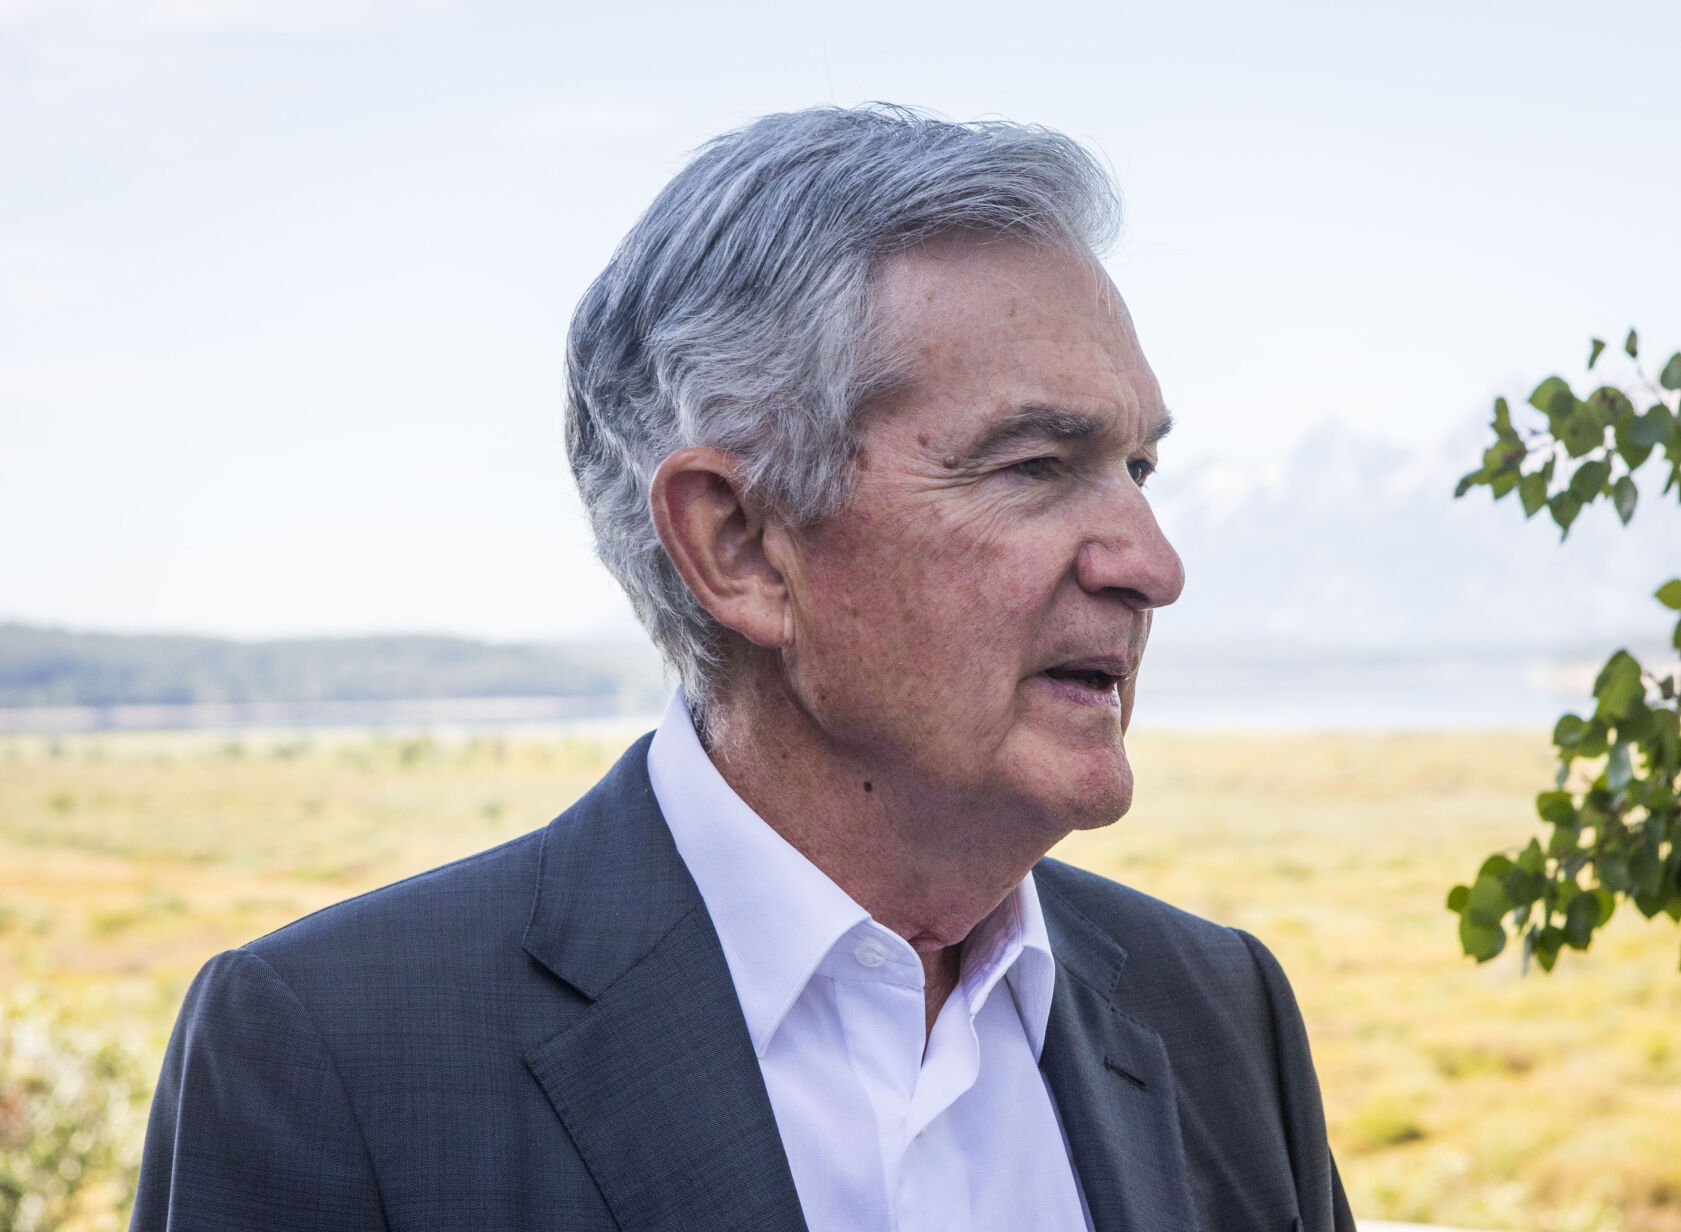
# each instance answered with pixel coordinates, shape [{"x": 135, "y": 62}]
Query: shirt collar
[{"x": 777, "y": 915}]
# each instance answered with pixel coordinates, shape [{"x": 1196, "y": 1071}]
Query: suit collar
[
  {"x": 747, "y": 873},
  {"x": 651, "y": 1072},
  {"x": 609, "y": 882},
  {"x": 1112, "y": 1080},
  {"x": 656, "y": 1081}
]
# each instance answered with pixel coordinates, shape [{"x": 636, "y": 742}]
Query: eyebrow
[{"x": 1050, "y": 423}]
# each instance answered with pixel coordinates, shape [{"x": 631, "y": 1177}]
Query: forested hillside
[{"x": 56, "y": 667}]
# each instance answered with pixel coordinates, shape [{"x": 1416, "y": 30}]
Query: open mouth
[
  {"x": 1098, "y": 680},
  {"x": 1094, "y": 680}
]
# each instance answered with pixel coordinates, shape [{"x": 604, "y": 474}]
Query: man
[{"x": 863, "y": 429}]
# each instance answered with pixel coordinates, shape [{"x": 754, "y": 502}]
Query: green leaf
[
  {"x": 1666, "y": 745},
  {"x": 1502, "y": 424},
  {"x": 1468, "y": 482},
  {"x": 1458, "y": 897},
  {"x": 1567, "y": 731},
  {"x": 1623, "y": 496},
  {"x": 1670, "y": 377},
  {"x": 1631, "y": 344},
  {"x": 1637, "y": 721},
  {"x": 1581, "y": 433},
  {"x": 1618, "y": 686},
  {"x": 1613, "y": 872},
  {"x": 1487, "y": 901},
  {"x": 1645, "y": 872},
  {"x": 1632, "y": 451},
  {"x": 1562, "y": 845},
  {"x": 1532, "y": 491},
  {"x": 1481, "y": 941},
  {"x": 1532, "y": 859},
  {"x": 1653, "y": 428},
  {"x": 1522, "y": 888},
  {"x": 1552, "y": 397},
  {"x": 1610, "y": 404},
  {"x": 1669, "y": 594},
  {"x": 1557, "y": 807},
  {"x": 1675, "y": 639},
  {"x": 1580, "y": 919},
  {"x": 1589, "y": 480},
  {"x": 1502, "y": 483},
  {"x": 1503, "y": 455},
  {"x": 1547, "y": 944},
  {"x": 1495, "y": 866},
  {"x": 1593, "y": 742},
  {"x": 1564, "y": 506},
  {"x": 1619, "y": 767},
  {"x": 1593, "y": 353}
]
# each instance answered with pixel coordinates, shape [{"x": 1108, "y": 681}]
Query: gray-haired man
[{"x": 863, "y": 429}]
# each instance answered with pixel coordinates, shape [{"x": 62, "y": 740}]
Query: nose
[{"x": 1126, "y": 553}]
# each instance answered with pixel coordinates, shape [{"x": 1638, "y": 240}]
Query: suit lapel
[
  {"x": 1113, "y": 1084},
  {"x": 653, "y": 1075}
]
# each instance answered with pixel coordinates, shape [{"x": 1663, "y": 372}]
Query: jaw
[{"x": 1065, "y": 764}]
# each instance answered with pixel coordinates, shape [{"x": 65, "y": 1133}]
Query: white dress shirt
[{"x": 879, "y": 1133}]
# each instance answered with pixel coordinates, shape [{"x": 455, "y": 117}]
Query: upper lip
[{"x": 1120, "y": 669}]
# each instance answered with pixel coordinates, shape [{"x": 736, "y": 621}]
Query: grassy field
[{"x": 1455, "y": 1094}]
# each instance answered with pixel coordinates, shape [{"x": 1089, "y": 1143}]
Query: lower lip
[{"x": 1080, "y": 695}]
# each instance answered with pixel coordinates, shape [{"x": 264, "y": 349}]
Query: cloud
[
  {"x": 71, "y": 48},
  {"x": 141, "y": 18},
  {"x": 69, "y": 379},
  {"x": 62, "y": 68},
  {"x": 583, "y": 120}
]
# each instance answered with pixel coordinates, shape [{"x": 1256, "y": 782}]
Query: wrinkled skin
[
  {"x": 932, "y": 686},
  {"x": 924, "y": 617}
]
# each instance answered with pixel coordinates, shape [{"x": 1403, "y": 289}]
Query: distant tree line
[{"x": 57, "y": 667}]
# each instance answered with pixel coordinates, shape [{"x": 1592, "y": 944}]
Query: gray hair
[{"x": 737, "y": 315}]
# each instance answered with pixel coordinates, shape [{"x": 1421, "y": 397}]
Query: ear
[{"x": 717, "y": 540}]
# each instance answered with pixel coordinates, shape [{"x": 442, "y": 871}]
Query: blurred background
[{"x": 296, "y": 595}]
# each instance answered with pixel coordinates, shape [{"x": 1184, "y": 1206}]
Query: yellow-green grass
[{"x": 1455, "y": 1094}]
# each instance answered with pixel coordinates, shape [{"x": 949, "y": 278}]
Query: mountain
[
  {"x": 56, "y": 667},
  {"x": 1339, "y": 585},
  {"x": 1352, "y": 547}
]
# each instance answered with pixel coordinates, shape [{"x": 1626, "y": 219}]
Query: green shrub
[{"x": 72, "y": 1114}]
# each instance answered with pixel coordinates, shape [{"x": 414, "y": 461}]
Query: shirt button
[{"x": 869, "y": 952}]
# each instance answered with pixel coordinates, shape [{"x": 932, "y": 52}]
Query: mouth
[{"x": 1096, "y": 676}]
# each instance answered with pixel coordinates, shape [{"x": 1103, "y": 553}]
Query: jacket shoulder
[
  {"x": 1144, "y": 926},
  {"x": 483, "y": 896},
  {"x": 1202, "y": 986}
]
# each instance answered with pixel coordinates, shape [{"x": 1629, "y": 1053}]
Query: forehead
[{"x": 981, "y": 329}]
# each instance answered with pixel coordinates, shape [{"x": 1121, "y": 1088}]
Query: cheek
[{"x": 927, "y": 600}]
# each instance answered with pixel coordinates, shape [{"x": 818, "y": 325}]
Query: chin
[
  {"x": 1099, "y": 808},
  {"x": 1086, "y": 791}
]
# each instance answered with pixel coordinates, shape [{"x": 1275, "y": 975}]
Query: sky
[{"x": 284, "y": 284}]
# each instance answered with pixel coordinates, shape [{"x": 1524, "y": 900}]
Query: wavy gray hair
[{"x": 737, "y": 315}]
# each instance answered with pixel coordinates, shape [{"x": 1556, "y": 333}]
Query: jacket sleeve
[
  {"x": 1319, "y": 1193},
  {"x": 251, "y": 1127}
]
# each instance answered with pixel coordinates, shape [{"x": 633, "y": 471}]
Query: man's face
[{"x": 970, "y": 626}]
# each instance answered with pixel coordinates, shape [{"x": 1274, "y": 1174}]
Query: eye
[
  {"x": 1141, "y": 469},
  {"x": 1036, "y": 468}
]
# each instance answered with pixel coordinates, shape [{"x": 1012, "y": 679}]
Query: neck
[{"x": 927, "y": 866}]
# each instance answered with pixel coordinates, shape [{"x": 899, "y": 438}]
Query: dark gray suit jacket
[{"x": 546, "y": 1036}]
